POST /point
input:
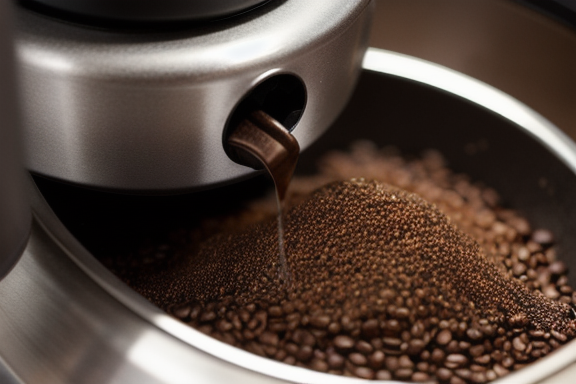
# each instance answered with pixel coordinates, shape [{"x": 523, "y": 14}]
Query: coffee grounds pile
[{"x": 384, "y": 284}]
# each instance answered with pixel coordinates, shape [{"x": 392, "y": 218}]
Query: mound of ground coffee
[{"x": 384, "y": 283}]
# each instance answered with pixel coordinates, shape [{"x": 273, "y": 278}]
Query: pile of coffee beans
[{"x": 411, "y": 273}]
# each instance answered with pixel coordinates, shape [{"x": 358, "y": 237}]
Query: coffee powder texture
[{"x": 382, "y": 283}]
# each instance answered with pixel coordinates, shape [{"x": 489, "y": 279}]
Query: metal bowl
[{"x": 67, "y": 319}]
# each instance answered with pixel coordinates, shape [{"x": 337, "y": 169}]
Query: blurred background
[{"x": 525, "y": 48}]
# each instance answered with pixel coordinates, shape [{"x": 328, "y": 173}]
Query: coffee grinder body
[{"x": 143, "y": 106}]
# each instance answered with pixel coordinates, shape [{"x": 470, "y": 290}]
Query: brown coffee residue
[{"x": 427, "y": 280}]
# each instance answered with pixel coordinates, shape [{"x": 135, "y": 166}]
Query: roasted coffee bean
[
  {"x": 415, "y": 346},
  {"x": 405, "y": 362},
  {"x": 343, "y": 342},
  {"x": 383, "y": 375},
  {"x": 363, "y": 347},
  {"x": 370, "y": 328},
  {"x": 384, "y": 284},
  {"x": 484, "y": 359},
  {"x": 376, "y": 359},
  {"x": 444, "y": 374},
  {"x": 335, "y": 361},
  {"x": 420, "y": 377},
  {"x": 444, "y": 337},
  {"x": 358, "y": 359},
  {"x": 518, "y": 344},
  {"x": 303, "y": 337},
  {"x": 476, "y": 350},
  {"x": 305, "y": 353},
  {"x": 319, "y": 365},
  {"x": 321, "y": 321},
  {"x": 364, "y": 373},
  {"x": 456, "y": 360},
  {"x": 403, "y": 373}
]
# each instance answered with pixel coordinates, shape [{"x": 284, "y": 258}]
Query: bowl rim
[{"x": 379, "y": 61}]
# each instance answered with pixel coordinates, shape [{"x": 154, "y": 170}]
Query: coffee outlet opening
[
  {"x": 407, "y": 333},
  {"x": 282, "y": 97}
]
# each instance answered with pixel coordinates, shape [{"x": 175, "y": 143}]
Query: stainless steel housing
[
  {"x": 145, "y": 111},
  {"x": 15, "y": 216},
  {"x": 67, "y": 319}
]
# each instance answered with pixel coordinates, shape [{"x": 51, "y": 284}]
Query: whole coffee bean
[
  {"x": 275, "y": 311},
  {"x": 476, "y": 350},
  {"x": 420, "y": 377},
  {"x": 334, "y": 328},
  {"x": 444, "y": 337},
  {"x": 319, "y": 365},
  {"x": 403, "y": 373},
  {"x": 402, "y": 313},
  {"x": 437, "y": 356},
  {"x": 405, "y": 362},
  {"x": 269, "y": 338},
  {"x": 358, "y": 359},
  {"x": 304, "y": 337},
  {"x": 463, "y": 373},
  {"x": 518, "y": 344},
  {"x": 444, "y": 374},
  {"x": 363, "y": 347},
  {"x": 500, "y": 370},
  {"x": 457, "y": 380},
  {"x": 383, "y": 375},
  {"x": 474, "y": 334},
  {"x": 371, "y": 328},
  {"x": 491, "y": 375},
  {"x": 182, "y": 311},
  {"x": 484, "y": 359},
  {"x": 392, "y": 342},
  {"x": 392, "y": 363},
  {"x": 335, "y": 361},
  {"x": 415, "y": 346},
  {"x": 456, "y": 360},
  {"x": 304, "y": 353},
  {"x": 364, "y": 373},
  {"x": 376, "y": 359},
  {"x": 343, "y": 342},
  {"x": 558, "y": 336},
  {"x": 321, "y": 321},
  {"x": 478, "y": 377}
]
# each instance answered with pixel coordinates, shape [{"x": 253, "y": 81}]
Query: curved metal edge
[{"x": 479, "y": 93}]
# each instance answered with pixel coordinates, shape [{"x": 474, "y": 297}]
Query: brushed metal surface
[
  {"x": 66, "y": 319},
  {"x": 146, "y": 111},
  {"x": 14, "y": 211}
]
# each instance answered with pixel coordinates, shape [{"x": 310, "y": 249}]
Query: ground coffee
[{"x": 448, "y": 287}]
